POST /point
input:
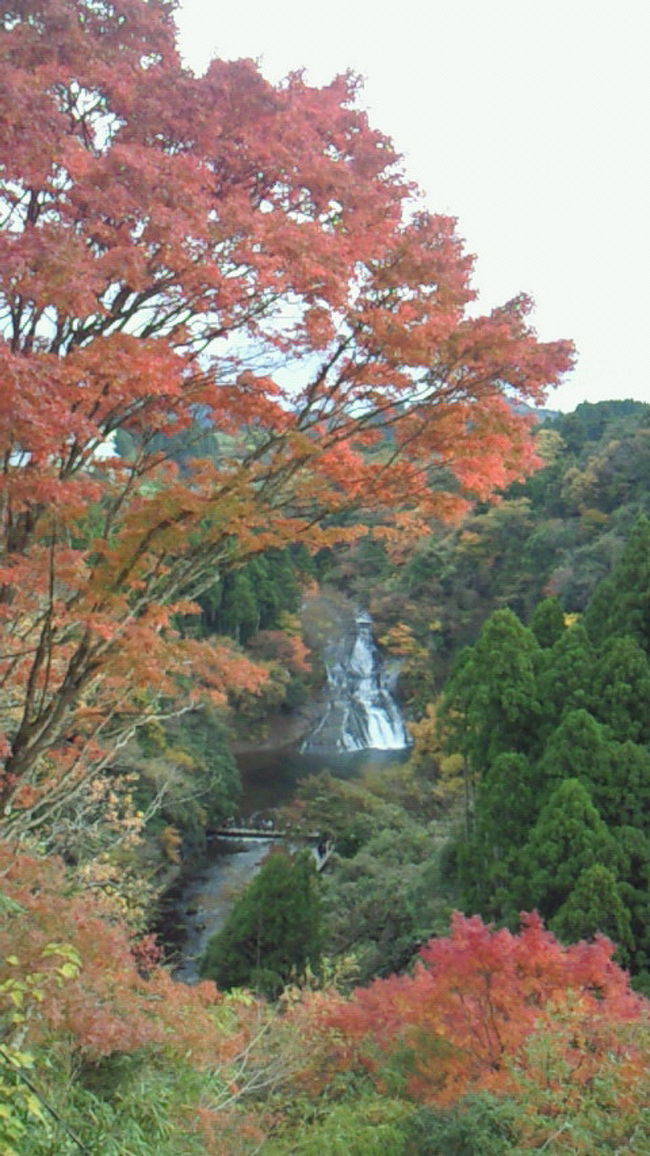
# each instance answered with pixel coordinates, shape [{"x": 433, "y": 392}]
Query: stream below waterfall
[{"x": 360, "y": 728}]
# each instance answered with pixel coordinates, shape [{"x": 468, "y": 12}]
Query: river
[{"x": 358, "y": 712}]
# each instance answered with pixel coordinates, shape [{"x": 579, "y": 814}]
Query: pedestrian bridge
[{"x": 323, "y": 848}]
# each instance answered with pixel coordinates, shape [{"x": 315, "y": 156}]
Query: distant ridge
[{"x": 536, "y": 413}]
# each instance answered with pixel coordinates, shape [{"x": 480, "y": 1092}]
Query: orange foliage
[
  {"x": 288, "y": 649},
  {"x": 121, "y": 1001},
  {"x": 111, "y": 1006},
  {"x": 171, "y": 840},
  {"x": 465, "y": 1018},
  {"x": 164, "y": 234},
  {"x": 399, "y": 640}
]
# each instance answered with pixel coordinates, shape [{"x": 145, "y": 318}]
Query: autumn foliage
[
  {"x": 92, "y": 995},
  {"x": 477, "y": 1002},
  {"x": 181, "y": 254},
  {"x": 109, "y": 1006},
  {"x": 244, "y": 270},
  {"x": 553, "y": 1033}
]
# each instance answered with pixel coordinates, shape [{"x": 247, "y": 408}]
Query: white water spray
[{"x": 361, "y": 713}]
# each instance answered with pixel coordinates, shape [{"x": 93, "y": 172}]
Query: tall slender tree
[
  {"x": 492, "y": 698},
  {"x": 566, "y": 676},
  {"x": 568, "y": 838},
  {"x": 547, "y": 622},
  {"x": 490, "y": 862}
]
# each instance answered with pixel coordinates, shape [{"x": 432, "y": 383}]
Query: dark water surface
[{"x": 269, "y": 778}]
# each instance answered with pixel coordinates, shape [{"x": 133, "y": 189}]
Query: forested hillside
[
  {"x": 552, "y": 722},
  {"x": 241, "y": 361},
  {"x": 557, "y": 534}
]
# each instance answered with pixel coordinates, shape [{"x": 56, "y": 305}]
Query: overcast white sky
[{"x": 525, "y": 119}]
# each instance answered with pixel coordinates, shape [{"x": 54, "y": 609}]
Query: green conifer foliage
[
  {"x": 273, "y": 930},
  {"x": 621, "y": 689},
  {"x": 490, "y": 862},
  {"x": 595, "y": 905},
  {"x": 635, "y": 891},
  {"x": 493, "y": 691},
  {"x": 565, "y": 680},
  {"x": 617, "y": 775},
  {"x": 547, "y": 622},
  {"x": 579, "y": 748},
  {"x": 621, "y": 603},
  {"x": 635, "y": 847},
  {"x": 625, "y": 798},
  {"x": 507, "y": 802},
  {"x": 568, "y": 837},
  {"x": 254, "y": 596},
  {"x": 238, "y": 613}
]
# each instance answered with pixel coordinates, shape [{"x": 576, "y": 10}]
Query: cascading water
[{"x": 361, "y": 713}]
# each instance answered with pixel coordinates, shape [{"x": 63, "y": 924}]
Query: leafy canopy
[{"x": 171, "y": 246}]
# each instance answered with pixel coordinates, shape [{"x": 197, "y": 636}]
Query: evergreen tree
[
  {"x": 259, "y": 573},
  {"x": 595, "y": 905},
  {"x": 635, "y": 847},
  {"x": 254, "y": 596},
  {"x": 506, "y": 802},
  {"x": 238, "y": 613},
  {"x": 579, "y": 748},
  {"x": 493, "y": 695},
  {"x": 273, "y": 930},
  {"x": 284, "y": 567},
  {"x": 547, "y": 622},
  {"x": 568, "y": 837},
  {"x": 490, "y": 861},
  {"x": 634, "y": 844},
  {"x": 621, "y": 689},
  {"x": 617, "y": 775},
  {"x": 565, "y": 679},
  {"x": 621, "y": 603},
  {"x": 625, "y": 797}
]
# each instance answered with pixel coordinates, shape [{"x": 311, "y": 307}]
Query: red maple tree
[
  {"x": 476, "y": 1002},
  {"x": 183, "y": 253}
]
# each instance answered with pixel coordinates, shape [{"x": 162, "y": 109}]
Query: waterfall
[{"x": 361, "y": 713}]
